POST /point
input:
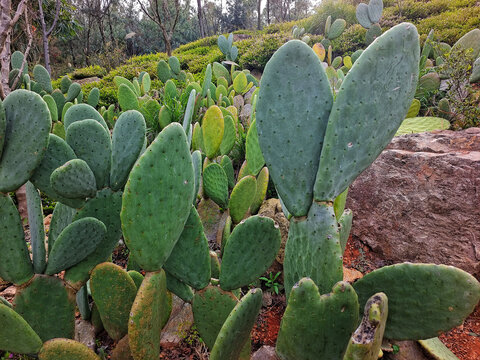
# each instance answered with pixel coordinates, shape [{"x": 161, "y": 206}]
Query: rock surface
[
  {"x": 180, "y": 322},
  {"x": 85, "y": 333},
  {"x": 420, "y": 200},
  {"x": 265, "y": 353}
]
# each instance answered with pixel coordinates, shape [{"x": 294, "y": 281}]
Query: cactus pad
[
  {"x": 65, "y": 349},
  {"x": 75, "y": 243},
  {"x": 34, "y": 304},
  {"x": 250, "y": 250},
  {"x": 62, "y": 217},
  {"x": 262, "y": 186},
  {"x": 42, "y": 77},
  {"x": 317, "y": 327},
  {"x": 127, "y": 98},
  {"x": 179, "y": 288},
  {"x": 105, "y": 207},
  {"x": 424, "y": 299},
  {"x": 313, "y": 249},
  {"x": 344, "y": 227},
  {"x": 15, "y": 264},
  {"x": 212, "y": 129},
  {"x": 294, "y": 103},
  {"x": 253, "y": 154},
  {"x": 193, "y": 245},
  {"x": 365, "y": 118},
  {"x": 37, "y": 230},
  {"x": 416, "y": 125},
  {"x": 113, "y": 291},
  {"x": 149, "y": 232},
  {"x": 74, "y": 180},
  {"x": 28, "y": 123},
  {"x": 15, "y": 333},
  {"x": 82, "y": 112},
  {"x": 92, "y": 144},
  {"x": 215, "y": 184},
  {"x": 242, "y": 197},
  {"x": 211, "y": 307},
  {"x": 235, "y": 332},
  {"x": 229, "y": 135},
  {"x": 127, "y": 142},
  {"x": 366, "y": 341},
  {"x": 144, "y": 325}
]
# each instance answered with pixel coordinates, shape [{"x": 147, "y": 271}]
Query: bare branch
[
  {"x": 55, "y": 19},
  {"x": 27, "y": 50}
]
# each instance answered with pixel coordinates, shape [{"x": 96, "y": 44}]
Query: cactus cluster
[
  {"x": 227, "y": 48},
  {"x": 334, "y": 141},
  {"x": 369, "y": 16},
  {"x": 333, "y": 30},
  {"x": 171, "y": 70}
]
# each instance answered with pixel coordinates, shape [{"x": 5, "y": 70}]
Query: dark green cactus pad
[
  {"x": 424, "y": 299},
  {"x": 336, "y": 29},
  {"x": 91, "y": 143},
  {"x": 193, "y": 245},
  {"x": 80, "y": 112},
  {"x": 207, "y": 80},
  {"x": 127, "y": 142},
  {"x": 58, "y": 153},
  {"x": 146, "y": 217},
  {"x": 235, "y": 332},
  {"x": 262, "y": 186},
  {"x": 164, "y": 117},
  {"x": 65, "y": 349},
  {"x": 15, "y": 264},
  {"x": 136, "y": 277},
  {"x": 313, "y": 249},
  {"x": 214, "y": 265},
  {"x": 93, "y": 97},
  {"x": 227, "y": 230},
  {"x": 65, "y": 84},
  {"x": 42, "y": 77},
  {"x": 197, "y": 169},
  {"x": 105, "y": 207},
  {"x": 215, "y": 184},
  {"x": 365, "y": 118},
  {"x": 366, "y": 341},
  {"x": 75, "y": 243},
  {"x": 242, "y": 197},
  {"x": 163, "y": 71},
  {"x": 60, "y": 101},
  {"x": 344, "y": 227},
  {"x": 74, "y": 180},
  {"x": 16, "y": 60},
  {"x": 28, "y": 123},
  {"x": 174, "y": 64},
  {"x": 62, "y": 217},
  {"x": 113, "y": 291},
  {"x": 179, "y": 288},
  {"x": 227, "y": 166},
  {"x": 127, "y": 98},
  {"x": 250, "y": 250},
  {"x": 83, "y": 303},
  {"x": 73, "y": 91},
  {"x": 3, "y": 127},
  {"x": 229, "y": 135},
  {"x": 211, "y": 307},
  {"x": 35, "y": 304},
  {"x": 15, "y": 333},
  {"x": 317, "y": 326},
  {"x": 294, "y": 103},
  {"x": 52, "y": 107},
  {"x": 197, "y": 137},
  {"x": 37, "y": 230},
  {"x": 253, "y": 154},
  {"x": 144, "y": 325}
]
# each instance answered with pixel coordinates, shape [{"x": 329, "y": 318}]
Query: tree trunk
[
  {"x": 268, "y": 12},
  {"x": 5, "y": 61},
  {"x": 259, "y": 14},
  {"x": 200, "y": 18}
]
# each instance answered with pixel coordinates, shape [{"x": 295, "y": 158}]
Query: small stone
[
  {"x": 9, "y": 292},
  {"x": 351, "y": 275},
  {"x": 85, "y": 333},
  {"x": 238, "y": 102},
  {"x": 122, "y": 350},
  {"x": 265, "y": 353},
  {"x": 267, "y": 299}
]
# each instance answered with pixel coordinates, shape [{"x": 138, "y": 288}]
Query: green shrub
[
  {"x": 285, "y": 27},
  {"x": 352, "y": 39},
  {"x": 89, "y": 71},
  {"x": 336, "y": 9},
  {"x": 255, "y": 52}
]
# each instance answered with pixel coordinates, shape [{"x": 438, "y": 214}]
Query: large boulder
[{"x": 420, "y": 200}]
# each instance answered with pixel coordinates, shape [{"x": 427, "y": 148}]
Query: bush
[
  {"x": 352, "y": 39},
  {"x": 89, "y": 71},
  {"x": 336, "y": 9},
  {"x": 255, "y": 52}
]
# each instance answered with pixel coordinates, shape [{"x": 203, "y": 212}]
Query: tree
[
  {"x": 46, "y": 33},
  {"x": 7, "y": 23},
  {"x": 165, "y": 14},
  {"x": 200, "y": 18}
]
